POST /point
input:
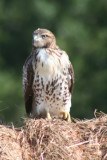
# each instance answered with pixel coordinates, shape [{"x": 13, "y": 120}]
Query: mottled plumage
[{"x": 48, "y": 78}]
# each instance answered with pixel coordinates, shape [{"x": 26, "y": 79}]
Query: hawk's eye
[{"x": 44, "y": 36}]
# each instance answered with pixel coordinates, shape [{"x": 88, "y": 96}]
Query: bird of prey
[{"x": 48, "y": 78}]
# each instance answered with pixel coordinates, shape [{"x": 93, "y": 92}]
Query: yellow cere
[{"x": 35, "y": 37}]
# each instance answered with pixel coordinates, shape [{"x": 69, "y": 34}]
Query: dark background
[{"x": 80, "y": 28}]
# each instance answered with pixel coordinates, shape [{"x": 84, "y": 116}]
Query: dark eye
[{"x": 44, "y": 36}]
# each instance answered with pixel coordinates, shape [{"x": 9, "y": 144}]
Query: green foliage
[
  {"x": 80, "y": 28},
  {"x": 11, "y": 98}
]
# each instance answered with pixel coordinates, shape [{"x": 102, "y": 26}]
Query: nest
[{"x": 55, "y": 140}]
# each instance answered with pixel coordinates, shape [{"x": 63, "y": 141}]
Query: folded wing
[{"x": 28, "y": 76}]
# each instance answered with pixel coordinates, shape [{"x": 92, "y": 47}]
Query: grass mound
[{"x": 56, "y": 140}]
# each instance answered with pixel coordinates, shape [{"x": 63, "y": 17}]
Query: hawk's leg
[
  {"x": 66, "y": 116},
  {"x": 48, "y": 117}
]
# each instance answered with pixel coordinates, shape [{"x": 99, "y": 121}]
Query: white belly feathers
[{"x": 50, "y": 85}]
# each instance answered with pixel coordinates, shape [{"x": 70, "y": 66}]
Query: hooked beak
[
  {"x": 36, "y": 37},
  {"x": 36, "y": 40}
]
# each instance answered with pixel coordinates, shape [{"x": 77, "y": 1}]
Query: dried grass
[{"x": 56, "y": 140}]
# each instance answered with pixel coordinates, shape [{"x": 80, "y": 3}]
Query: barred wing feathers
[{"x": 28, "y": 76}]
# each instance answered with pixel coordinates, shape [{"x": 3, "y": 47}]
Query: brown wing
[
  {"x": 28, "y": 76},
  {"x": 71, "y": 73}
]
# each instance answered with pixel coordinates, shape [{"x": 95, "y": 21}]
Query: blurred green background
[{"x": 80, "y": 27}]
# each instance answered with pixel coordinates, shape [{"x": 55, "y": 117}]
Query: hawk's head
[{"x": 43, "y": 38}]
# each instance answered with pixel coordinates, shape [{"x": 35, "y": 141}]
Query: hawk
[{"x": 48, "y": 78}]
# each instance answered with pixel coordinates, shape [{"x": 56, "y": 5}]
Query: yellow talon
[
  {"x": 48, "y": 117},
  {"x": 66, "y": 116}
]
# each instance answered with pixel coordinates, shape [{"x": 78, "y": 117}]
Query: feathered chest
[
  {"x": 51, "y": 81},
  {"x": 49, "y": 63}
]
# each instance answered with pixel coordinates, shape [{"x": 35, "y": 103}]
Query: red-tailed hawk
[{"x": 48, "y": 78}]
